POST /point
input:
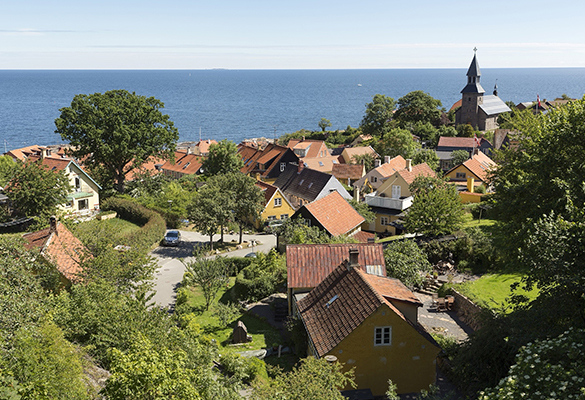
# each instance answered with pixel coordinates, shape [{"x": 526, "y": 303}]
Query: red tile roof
[
  {"x": 60, "y": 248},
  {"x": 345, "y": 299},
  {"x": 204, "y": 145},
  {"x": 316, "y": 148},
  {"x": 267, "y": 189},
  {"x": 363, "y": 236},
  {"x": 395, "y": 164},
  {"x": 463, "y": 142},
  {"x": 479, "y": 165},
  {"x": 185, "y": 163},
  {"x": 252, "y": 157},
  {"x": 418, "y": 170},
  {"x": 309, "y": 264},
  {"x": 335, "y": 214},
  {"x": 345, "y": 171}
]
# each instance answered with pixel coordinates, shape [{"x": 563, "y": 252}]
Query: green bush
[
  {"x": 264, "y": 276},
  {"x": 153, "y": 225},
  {"x": 236, "y": 264},
  {"x": 242, "y": 369}
]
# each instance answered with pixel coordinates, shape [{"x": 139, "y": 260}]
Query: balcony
[{"x": 387, "y": 202}]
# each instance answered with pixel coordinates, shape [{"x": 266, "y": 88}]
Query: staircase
[{"x": 430, "y": 286}]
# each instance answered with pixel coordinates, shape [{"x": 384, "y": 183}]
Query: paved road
[{"x": 170, "y": 272}]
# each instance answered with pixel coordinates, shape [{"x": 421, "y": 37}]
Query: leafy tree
[
  {"x": 296, "y": 231},
  {"x": 436, "y": 209},
  {"x": 397, "y": 142},
  {"x": 223, "y": 158},
  {"x": 366, "y": 159},
  {"x": 313, "y": 379},
  {"x": 246, "y": 198},
  {"x": 209, "y": 274},
  {"x": 364, "y": 210},
  {"x": 426, "y": 156},
  {"x": 545, "y": 369},
  {"x": 7, "y": 169},
  {"x": 465, "y": 130},
  {"x": 117, "y": 131},
  {"x": 324, "y": 124},
  {"x": 264, "y": 276},
  {"x": 210, "y": 210},
  {"x": 407, "y": 262},
  {"x": 379, "y": 113},
  {"x": 150, "y": 372},
  {"x": 459, "y": 156},
  {"x": 37, "y": 191},
  {"x": 47, "y": 365},
  {"x": 418, "y": 106}
]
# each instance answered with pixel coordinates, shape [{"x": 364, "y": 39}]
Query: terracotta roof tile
[
  {"x": 309, "y": 264},
  {"x": 335, "y": 214},
  {"x": 185, "y": 163},
  {"x": 479, "y": 165},
  {"x": 418, "y": 170},
  {"x": 395, "y": 164},
  {"x": 60, "y": 248},
  {"x": 358, "y": 151},
  {"x": 348, "y": 171}
]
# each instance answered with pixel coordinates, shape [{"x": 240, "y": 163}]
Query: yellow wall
[
  {"x": 467, "y": 197},
  {"x": 462, "y": 169},
  {"x": 409, "y": 361},
  {"x": 377, "y": 226},
  {"x": 395, "y": 179},
  {"x": 271, "y": 210}
]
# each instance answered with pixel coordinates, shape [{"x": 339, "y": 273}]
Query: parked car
[{"x": 172, "y": 238}]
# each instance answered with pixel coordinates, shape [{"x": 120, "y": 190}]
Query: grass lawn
[
  {"x": 263, "y": 334},
  {"x": 492, "y": 291}
]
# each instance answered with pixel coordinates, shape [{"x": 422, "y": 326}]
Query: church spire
[
  {"x": 496, "y": 88},
  {"x": 473, "y": 76}
]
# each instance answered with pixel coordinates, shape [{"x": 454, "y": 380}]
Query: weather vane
[{"x": 475, "y": 50}]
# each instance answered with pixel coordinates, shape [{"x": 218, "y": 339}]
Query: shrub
[
  {"x": 226, "y": 313},
  {"x": 264, "y": 276},
  {"x": 243, "y": 369},
  {"x": 153, "y": 225}
]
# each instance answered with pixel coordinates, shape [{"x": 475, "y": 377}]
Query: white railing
[{"x": 388, "y": 202}]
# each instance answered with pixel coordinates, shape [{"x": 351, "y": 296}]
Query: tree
[
  {"x": 7, "y": 169},
  {"x": 545, "y": 369},
  {"x": 209, "y": 274},
  {"x": 436, "y": 209},
  {"x": 407, "y": 262},
  {"x": 378, "y": 115},
  {"x": 364, "y": 210},
  {"x": 459, "y": 156},
  {"x": 263, "y": 277},
  {"x": 366, "y": 159},
  {"x": 37, "y": 191},
  {"x": 210, "y": 210},
  {"x": 324, "y": 124},
  {"x": 426, "y": 156},
  {"x": 247, "y": 198},
  {"x": 223, "y": 158},
  {"x": 312, "y": 379},
  {"x": 117, "y": 131},
  {"x": 397, "y": 142},
  {"x": 418, "y": 106}
]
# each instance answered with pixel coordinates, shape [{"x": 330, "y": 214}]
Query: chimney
[
  {"x": 386, "y": 159},
  {"x": 303, "y": 138},
  {"x": 353, "y": 258},
  {"x": 470, "y": 186},
  {"x": 188, "y": 150},
  {"x": 53, "y": 224},
  {"x": 409, "y": 165},
  {"x": 301, "y": 166},
  {"x": 475, "y": 151},
  {"x": 356, "y": 193},
  {"x": 377, "y": 162}
]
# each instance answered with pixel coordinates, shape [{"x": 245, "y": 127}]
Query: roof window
[{"x": 331, "y": 301}]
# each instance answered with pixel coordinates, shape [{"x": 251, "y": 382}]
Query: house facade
[
  {"x": 369, "y": 323},
  {"x": 267, "y": 163},
  {"x": 392, "y": 198},
  {"x": 374, "y": 178},
  {"x": 276, "y": 206}
]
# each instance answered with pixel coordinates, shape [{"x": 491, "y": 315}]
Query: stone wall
[{"x": 466, "y": 310}]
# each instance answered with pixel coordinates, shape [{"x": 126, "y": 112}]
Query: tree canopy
[
  {"x": 407, "y": 262},
  {"x": 223, "y": 158},
  {"x": 324, "y": 124},
  {"x": 436, "y": 209},
  {"x": 418, "y": 106},
  {"x": 116, "y": 131},
  {"x": 379, "y": 113},
  {"x": 397, "y": 142},
  {"x": 35, "y": 190}
]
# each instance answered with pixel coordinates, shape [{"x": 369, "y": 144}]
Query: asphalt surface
[{"x": 170, "y": 272}]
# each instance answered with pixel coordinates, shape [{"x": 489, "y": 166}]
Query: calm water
[{"x": 241, "y": 104}]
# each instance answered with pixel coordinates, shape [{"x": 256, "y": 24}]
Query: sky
[{"x": 280, "y": 34}]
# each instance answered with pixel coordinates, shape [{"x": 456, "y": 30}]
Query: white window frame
[
  {"x": 283, "y": 216},
  {"x": 282, "y": 166},
  {"x": 277, "y": 202},
  {"x": 396, "y": 191},
  {"x": 384, "y": 221},
  {"x": 383, "y": 336}
]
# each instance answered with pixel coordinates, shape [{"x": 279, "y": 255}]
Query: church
[{"x": 479, "y": 110}]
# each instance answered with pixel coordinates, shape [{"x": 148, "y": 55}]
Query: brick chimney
[
  {"x": 409, "y": 165},
  {"x": 53, "y": 224},
  {"x": 353, "y": 258}
]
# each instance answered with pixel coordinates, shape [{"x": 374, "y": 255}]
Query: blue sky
[{"x": 276, "y": 34}]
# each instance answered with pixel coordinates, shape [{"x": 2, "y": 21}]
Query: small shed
[{"x": 240, "y": 334}]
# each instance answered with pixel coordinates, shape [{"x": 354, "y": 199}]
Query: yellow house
[
  {"x": 369, "y": 323},
  {"x": 276, "y": 207},
  {"x": 393, "y": 197},
  {"x": 470, "y": 174}
]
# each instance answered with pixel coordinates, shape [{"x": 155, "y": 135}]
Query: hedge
[{"x": 153, "y": 226}]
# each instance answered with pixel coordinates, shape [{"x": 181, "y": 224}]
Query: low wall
[{"x": 466, "y": 310}]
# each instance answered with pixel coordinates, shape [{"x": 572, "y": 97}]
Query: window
[
  {"x": 374, "y": 179},
  {"x": 301, "y": 182},
  {"x": 308, "y": 222},
  {"x": 282, "y": 166},
  {"x": 284, "y": 216},
  {"x": 321, "y": 164},
  {"x": 277, "y": 202},
  {"x": 396, "y": 191},
  {"x": 271, "y": 217},
  {"x": 383, "y": 336},
  {"x": 460, "y": 175},
  {"x": 77, "y": 183},
  {"x": 383, "y": 220},
  {"x": 83, "y": 204}
]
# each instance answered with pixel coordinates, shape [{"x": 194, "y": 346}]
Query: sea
[{"x": 240, "y": 104}]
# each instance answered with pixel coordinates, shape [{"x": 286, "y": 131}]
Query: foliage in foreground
[
  {"x": 313, "y": 379},
  {"x": 210, "y": 274},
  {"x": 264, "y": 276},
  {"x": 407, "y": 262},
  {"x": 545, "y": 369}
]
